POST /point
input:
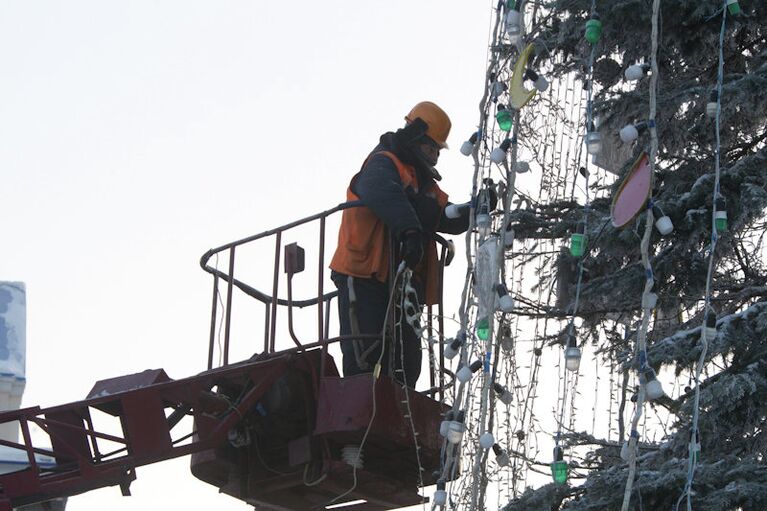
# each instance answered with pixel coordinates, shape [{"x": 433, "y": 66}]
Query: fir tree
[{"x": 732, "y": 472}]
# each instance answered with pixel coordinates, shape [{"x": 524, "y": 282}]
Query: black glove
[
  {"x": 412, "y": 248},
  {"x": 428, "y": 211}
]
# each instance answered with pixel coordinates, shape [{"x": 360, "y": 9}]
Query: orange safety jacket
[{"x": 363, "y": 243}]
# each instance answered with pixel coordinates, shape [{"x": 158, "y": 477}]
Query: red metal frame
[{"x": 260, "y": 427}]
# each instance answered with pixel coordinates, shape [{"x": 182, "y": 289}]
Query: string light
[
  {"x": 593, "y": 141},
  {"x": 513, "y": 25},
  {"x": 713, "y": 104},
  {"x": 636, "y": 71},
  {"x": 630, "y": 132},
  {"x": 455, "y": 428},
  {"x": 720, "y": 216},
  {"x": 503, "y": 116},
  {"x": 540, "y": 82},
  {"x": 499, "y": 153},
  {"x": 468, "y": 146},
  {"x": 521, "y": 167},
  {"x": 505, "y": 301},
  {"x": 440, "y": 495},
  {"x": 453, "y": 346},
  {"x": 578, "y": 241},
  {"x": 501, "y": 458},
  {"x": 483, "y": 221},
  {"x": 710, "y": 328},
  {"x": 572, "y": 351},
  {"x": 734, "y": 7},
  {"x": 559, "y": 466},
  {"x": 504, "y": 395},
  {"x": 465, "y": 372},
  {"x": 486, "y": 440},
  {"x": 653, "y": 387},
  {"x": 594, "y": 29}
]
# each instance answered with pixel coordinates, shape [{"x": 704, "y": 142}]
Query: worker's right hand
[{"x": 412, "y": 248}]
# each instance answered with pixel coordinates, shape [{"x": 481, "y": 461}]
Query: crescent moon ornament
[{"x": 518, "y": 95}]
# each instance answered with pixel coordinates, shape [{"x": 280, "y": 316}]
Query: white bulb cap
[
  {"x": 521, "y": 167},
  {"x": 634, "y": 72},
  {"x": 444, "y": 426},
  {"x": 506, "y": 303},
  {"x": 664, "y": 225},
  {"x": 449, "y": 352},
  {"x": 649, "y": 301},
  {"x": 593, "y": 142},
  {"x": 710, "y": 333},
  {"x": 466, "y": 148},
  {"x": 498, "y": 155},
  {"x": 625, "y": 451},
  {"x": 541, "y": 83},
  {"x": 654, "y": 390},
  {"x": 440, "y": 498},
  {"x": 464, "y": 374},
  {"x": 711, "y": 108},
  {"x": 629, "y": 133},
  {"x": 512, "y": 19},
  {"x": 486, "y": 440},
  {"x": 455, "y": 432},
  {"x": 572, "y": 358},
  {"x": 508, "y": 238}
]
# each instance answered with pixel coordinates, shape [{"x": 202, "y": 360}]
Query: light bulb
[
  {"x": 593, "y": 142},
  {"x": 444, "y": 426},
  {"x": 456, "y": 429},
  {"x": 652, "y": 386},
  {"x": 713, "y": 104},
  {"x": 452, "y": 347},
  {"x": 629, "y": 133},
  {"x": 572, "y": 358},
  {"x": 440, "y": 495},
  {"x": 486, "y": 440},
  {"x": 578, "y": 240},
  {"x": 539, "y": 81},
  {"x": 649, "y": 301},
  {"x": 499, "y": 153},
  {"x": 483, "y": 221},
  {"x": 593, "y": 29},
  {"x": 501, "y": 458},
  {"x": 664, "y": 225},
  {"x": 734, "y": 7},
  {"x": 464, "y": 373},
  {"x": 505, "y": 301},
  {"x": 636, "y": 71},
  {"x": 496, "y": 90},
  {"x": 508, "y": 236},
  {"x": 468, "y": 146},
  {"x": 559, "y": 466},
  {"x": 720, "y": 217},
  {"x": 521, "y": 167},
  {"x": 504, "y": 395},
  {"x": 503, "y": 116},
  {"x": 710, "y": 328},
  {"x": 483, "y": 328},
  {"x": 625, "y": 450}
]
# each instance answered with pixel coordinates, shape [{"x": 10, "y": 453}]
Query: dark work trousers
[{"x": 372, "y": 299}]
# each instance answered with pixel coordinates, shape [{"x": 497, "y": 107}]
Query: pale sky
[{"x": 136, "y": 135}]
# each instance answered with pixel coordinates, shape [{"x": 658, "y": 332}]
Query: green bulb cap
[
  {"x": 483, "y": 329},
  {"x": 504, "y": 120},
  {"x": 577, "y": 244},
  {"x": 734, "y": 7},
  {"x": 593, "y": 31},
  {"x": 559, "y": 471}
]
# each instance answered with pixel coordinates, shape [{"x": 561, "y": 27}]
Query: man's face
[{"x": 430, "y": 150}]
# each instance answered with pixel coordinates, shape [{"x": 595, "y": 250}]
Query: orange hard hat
[{"x": 435, "y": 118}]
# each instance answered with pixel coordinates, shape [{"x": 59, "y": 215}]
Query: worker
[{"x": 403, "y": 208}]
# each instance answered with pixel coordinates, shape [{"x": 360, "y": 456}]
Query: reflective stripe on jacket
[{"x": 363, "y": 242}]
